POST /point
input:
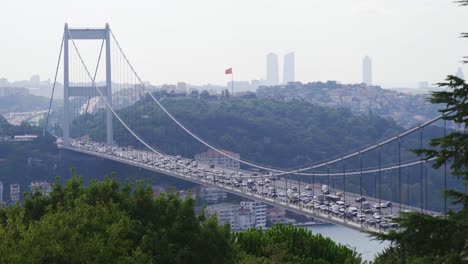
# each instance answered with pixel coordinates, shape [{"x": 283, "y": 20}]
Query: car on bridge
[
  {"x": 360, "y": 199},
  {"x": 377, "y": 216}
]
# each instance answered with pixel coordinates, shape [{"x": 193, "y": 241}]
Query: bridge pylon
[{"x": 86, "y": 91}]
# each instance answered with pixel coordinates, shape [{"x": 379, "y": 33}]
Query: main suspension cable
[
  {"x": 279, "y": 172},
  {"x": 53, "y": 87}
]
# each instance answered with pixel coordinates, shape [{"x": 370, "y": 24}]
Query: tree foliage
[
  {"x": 433, "y": 239},
  {"x": 110, "y": 222},
  {"x": 428, "y": 239},
  {"x": 287, "y": 244},
  {"x": 264, "y": 131}
]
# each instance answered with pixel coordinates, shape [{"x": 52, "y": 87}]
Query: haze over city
[
  {"x": 213, "y": 131},
  {"x": 195, "y": 41}
]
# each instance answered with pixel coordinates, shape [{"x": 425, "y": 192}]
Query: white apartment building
[
  {"x": 247, "y": 215},
  {"x": 259, "y": 211},
  {"x": 212, "y": 195},
  {"x": 225, "y": 212},
  {"x": 244, "y": 219},
  {"x": 15, "y": 192}
]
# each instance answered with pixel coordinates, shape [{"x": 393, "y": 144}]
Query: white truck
[{"x": 325, "y": 189}]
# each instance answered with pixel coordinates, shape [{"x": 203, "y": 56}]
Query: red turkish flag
[{"x": 228, "y": 71}]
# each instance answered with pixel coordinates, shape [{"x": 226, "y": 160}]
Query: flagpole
[{"x": 232, "y": 83}]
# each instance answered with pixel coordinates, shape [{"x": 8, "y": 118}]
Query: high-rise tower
[
  {"x": 272, "y": 69},
  {"x": 460, "y": 74},
  {"x": 288, "y": 68},
  {"x": 367, "y": 70}
]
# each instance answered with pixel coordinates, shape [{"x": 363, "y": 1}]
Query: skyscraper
[
  {"x": 367, "y": 70},
  {"x": 288, "y": 68},
  {"x": 1, "y": 191},
  {"x": 272, "y": 69},
  {"x": 460, "y": 74}
]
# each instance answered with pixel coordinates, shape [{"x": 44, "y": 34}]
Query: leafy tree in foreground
[
  {"x": 108, "y": 222},
  {"x": 428, "y": 239},
  {"x": 287, "y": 244}
]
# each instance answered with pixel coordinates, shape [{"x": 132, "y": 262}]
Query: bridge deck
[{"x": 247, "y": 193}]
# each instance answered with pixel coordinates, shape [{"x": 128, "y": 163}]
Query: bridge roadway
[
  {"x": 142, "y": 159},
  {"x": 16, "y": 118}
]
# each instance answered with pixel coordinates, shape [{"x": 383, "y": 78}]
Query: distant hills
[
  {"x": 283, "y": 134},
  {"x": 407, "y": 110},
  {"x": 22, "y": 103}
]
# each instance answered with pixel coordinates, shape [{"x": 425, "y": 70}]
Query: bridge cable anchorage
[
  {"x": 279, "y": 172},
  {"x": 53, "y": 87}
]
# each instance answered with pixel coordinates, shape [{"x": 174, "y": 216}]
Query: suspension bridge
[{"x": 331, "y": 190}]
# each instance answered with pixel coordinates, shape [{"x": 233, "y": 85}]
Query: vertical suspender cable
[
  {"x": 391, "y": 198},
  {"x": 360, "y": 180},
  {"x": 399, "y": 174},
  {"x": 328, "y": 176},
  {"x": 344, "y": 187},
  {"x": 313, "y": 184},
  {"x": 445, "y": 173},
  {"x": 425, "y": 185},
  {"x": 344, "y": 180},
  {"x": 380, "y": 182},
  {"x": 408, "y": 189},
  {"x": 421, "y": 170},
  {"x": 299, "y": 177}
]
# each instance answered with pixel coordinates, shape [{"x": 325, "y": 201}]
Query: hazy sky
[{"x": 196, "y": 40}]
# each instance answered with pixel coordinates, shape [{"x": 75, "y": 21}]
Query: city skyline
[{"x": 330, "y": 37}]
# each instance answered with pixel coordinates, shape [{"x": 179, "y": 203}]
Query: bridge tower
[{"x": 86, "y": 91}]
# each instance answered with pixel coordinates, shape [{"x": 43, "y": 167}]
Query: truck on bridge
[{"x": 325, "y": 189}]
